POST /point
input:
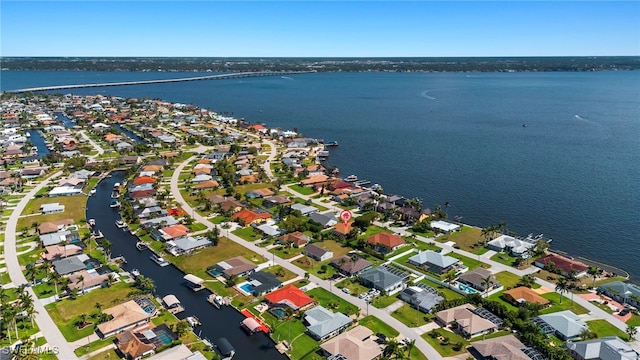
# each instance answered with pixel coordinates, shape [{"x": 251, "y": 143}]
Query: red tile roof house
[
  {"x": 297, "y": 239},
  {"x": 385, "y": 243},
  {"x": 564, "y": 264},
  {"x": 174, "y": 232},
  {"x": 290, "y": 296},
  {"x": 249, "y": 217},
  {"x": 143, "y": 180}
]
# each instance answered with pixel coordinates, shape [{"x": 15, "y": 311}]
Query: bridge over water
[{"x": 144, "y": 82}]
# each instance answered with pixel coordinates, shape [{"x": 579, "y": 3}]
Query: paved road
[
  {"x": 93, "y": 143},
  {"x": 47, "y": 327},
  {"x": 420, "y": 343}
]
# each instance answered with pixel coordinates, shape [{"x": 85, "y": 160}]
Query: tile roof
[
  {"x": 501, "y": 348},
  {"x": 385, "y": 239},
  {"x": 289, "y": 295},
  {"x": 355, "y": 344},
  {"x": 124, "y": 315},
  {"x": 523, "y": 293}
]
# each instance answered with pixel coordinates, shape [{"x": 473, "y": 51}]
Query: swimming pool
[
  {"x": 164, "y": 338},
  {"x": 246, "y": 287},
  {"x": 215, "y": 272},
  {"x": 278, "y": 312},
  {"x": 467, "y": 289},
  {"x": 146, "y": 305}
]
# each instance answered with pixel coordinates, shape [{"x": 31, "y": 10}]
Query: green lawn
[
  {"x": 448, "y": 293},
  {"x": 74, "y": 209},
  {"x": 445, "y": 341},
  {"x": 410, "y": 316},
  {"x": 566, "y": 304},
  {"x": 354, "y": 286},
  {"x": 467, "y": 238},
  {"x": 197, "y": 227},
  {"x": 507, "y": 279},
  {"x": 331, "y": 301},
  {"x": 301, "y": 189},
  {"x": 105, "y": 355},
  {"x": 286, "y": 252},
  {"x": 372, "y": 230},
  {"x": 98, "y": 344},
  {"x": 504, "y": 258},
  {"x": 378, "y": 326},
  {"x": 602, "y": 328},
  {"x": 288, "y": 275},
  {"x": 634, "y": 321},
  {"x": 469, "y": 262},
  {"x": 382, "y": 302},
  {"x": 247, "y": 233}
]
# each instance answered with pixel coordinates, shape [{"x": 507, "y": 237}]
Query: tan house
[
  {"x": 501, "y": 348},
  {"x": 355, "y": 344},
  {"x": 524, "y": 294},
  {"x": 465, "y": 320},
  {"x": 54, "y": 226},
  {"x": 125, "y": 316}
]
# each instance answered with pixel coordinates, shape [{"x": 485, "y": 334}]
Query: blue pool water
[
  {"x": 468, "y": 289},
  {"x": 164, "y": 338},
  {"x": 214, "y": 272},
  {"x": 279, "y": 313},
  {"x": 248, "y": 288}
]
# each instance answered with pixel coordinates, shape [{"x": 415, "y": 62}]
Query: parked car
[{"x": 346, "y": 291}]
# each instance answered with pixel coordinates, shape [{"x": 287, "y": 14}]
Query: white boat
[
  {"x": 120, "y": 224},
  {"x": 351, "y": 178},
  {"x": 193, "y": 321},
  {"x": 92, "y": 192},
  {"x": 114, "y": 203},
  {"x": 116, "y": 186},
  {"x": 215, "y": 300},
  {"x": 159, "y": 260},
  {"x": 141, "y": 246},
  {"x": 135, "y": 273},
  {"x": 92, "y": 222}
]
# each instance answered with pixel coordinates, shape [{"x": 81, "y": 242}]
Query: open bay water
[{"x": 572, "y": 173}]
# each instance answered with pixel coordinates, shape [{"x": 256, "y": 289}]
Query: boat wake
[
  {"x": 286, "y": 78},
  {"x": 425, "y": 95},
  {"x": 578, "y": 117}
]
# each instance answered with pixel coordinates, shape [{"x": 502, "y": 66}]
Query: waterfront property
[
  {"x": 563, "y": 265},
  {"x": 290, "y": 296},
  {"x": 144, "y": 340},
  {"x": 511, "y": 245},
  {"x": 125, "y": 316},
  {"x": 444, "y": 226},
  {"x": 624, "y": 292}
]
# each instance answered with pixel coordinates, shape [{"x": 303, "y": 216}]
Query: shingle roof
[
  {"x": 355, "y": 344},
  {"x": 501, "y": 348},
  {"x": 566, "y": 323},
  {"x": 381, "y": 277},
  {"x": 523, "y": 293},
  {"x": 323, "y": 322},
  {"x": 607, "y": 348},
  {"x": 432, "y": 257}
]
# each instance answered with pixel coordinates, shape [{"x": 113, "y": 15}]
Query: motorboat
[
  {"x": 141, "y": 246},
  {"x": 92, "y": 222},
  {"x": 120, "y": 224},
  {"x": 92, "y": 192},
  {"x": 193, "y": 321},
  {"x": 135, "y": 273},
  {"x": 114, "y": 203},
  {"x": 159, "y": 260},
  {"x": 351, "y": 178}
]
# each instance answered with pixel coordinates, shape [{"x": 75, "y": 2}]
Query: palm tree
[
  {"x": 593, "y": 271},
  {"x": 412, "y": 343},
  {"x": 55, "y": 277},
  {"x": 30, "y": 273},
  {"x": 451, "y": 275},
  {"x": 562, "y": 287},
  {"x": 98, "y": 306},
  {"x": 632, "y": 331},
  {"x": 486, "y": 283},
  {"x": 81, "y": 280},
  {"x": 391, "y": 348},
  {"x": 31, "y": 312}
]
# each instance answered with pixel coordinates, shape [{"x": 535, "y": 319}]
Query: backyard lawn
[
  {"x": 355, "y": 288},
  {"x": 288, "y": 275},
  {"x": 448, "y": 293},
  {"x": 504, "y": 258},
  {"x": 247, "y": 233},
  {"x": 331, "y": 301},
  {"x": 74, "y": 209},
  {"x": 507, "y": 279},
  {"x": 301, "y": 189},
  {"x": 467, "y": 238},
  {"x": 198, "y": 263}
]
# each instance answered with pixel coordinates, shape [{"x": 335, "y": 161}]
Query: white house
[{"x": 51, "y": 208}]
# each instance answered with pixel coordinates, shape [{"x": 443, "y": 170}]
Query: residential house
[
  {"x": 606, "y": 348},
  {"x": 70, "y": 264},
  {"x": 187, "y": 244},
  {"x": 150, "y": 211},
  {"x": 201, "y": 178},
  {"x": 125, "y": 316},
  {"x": 237, "y": 266},
  {"x": 317, "y": 253},
  {"x": 480, "y": 279},
  {"x": 341, "y": 229},
  {"x": 296, "y": 239},
  {"x": 32, "y": 173},
  {"x": 564, "y": 265},
  {"x": 231, "y": 205},
  {"x": 51, "y": 208},
  {"x": 86, "y": 280},
  {"x": 57, "y": 252},
  {"x": 263, "y": 282},
  {"x": 323, "y": 324},
  {"x": 566, "y": 325},
  {"x": 269, "y": 230},
  {"x": 444, "y": 226},
  {"x": 523, "y": 294},
  {"x": 351, "y": 266},
  {"x": 124, "y": 146},
  {"x": 423, "y": 298},
  {"x": 304, "y": 209},
  {"x": 64, "y": 236},
  {"x": 327, "y": 219},
  {"x": 170, "y": 232},
  {"x": 206, "y": 185},
  {"x": 141, "y": 191},
  {"x": 54, "y": 226},
  {"x": 355, "y": 344},
  {"x": 133, "y": 344},
  {"x": 249, "y": 217},
  {"x": 501, "y": 348},
  {"x": 623, "y": 292},
  {"x": 276, "y": 200},
  {"x": 65, "y": 191},
  {"x": 131, "y": 160},
  {"x": 290, "y": 296},
  {"x": 434, "y": 261},
  {"x": 511, "y": 245},
  {"x": 144, "y": 180},
  {"x": 465, "y": 320},
  {"x": 385, "y": 243},
  {"x": 384, "y": 278}
]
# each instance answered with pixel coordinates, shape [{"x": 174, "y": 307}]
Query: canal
[
  {"x": 131, "y": 135},
  {"x": 169, "y": 280},
  {"x": 38, "y": 141}
]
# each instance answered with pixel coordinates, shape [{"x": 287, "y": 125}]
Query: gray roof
[
  {"x": 168, "y": 221},
  {"x": 622, "y": 289},
  {"x": 315, "y": 250},
  {"x": 188, "y": 243},
  {"x": 69, "y": 265},
  {"x": 54, "y": 238},
  {"x": 304, "y": 209},
  {"x": 263, "y": 281},
  {"x": 565, "y": 323},
  {"x": 323, "y": 322},
  {"x": 382, "y": 278},
  {"x": 433, "y": 258},
  {"x": 607, "y": 348},
  {"x": 323, "y": 219},
  {"x": 477, "y": 276},
  {"x": 420, "y": 297},
  {"x": 269, "y": 229}
]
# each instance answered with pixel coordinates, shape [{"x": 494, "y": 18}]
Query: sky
[{"x": 319, "y": 28}]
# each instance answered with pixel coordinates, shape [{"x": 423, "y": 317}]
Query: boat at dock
[
  {"x": 141, "y": 246},
  {"x": 114, "y": 203},
  {"x": 193, "y": 321},
  {"x": 159, "y": 260},
  {"x": 362, "y": 182},
  {"x": 135, "y": 273},
  {"x": 215, "y": 300},
  {"x": 92, "y": 222},
  {"x": 331, "y": 143},
  {"x": 121, "y": 224},
  {"x": 351, "y": 178}
]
